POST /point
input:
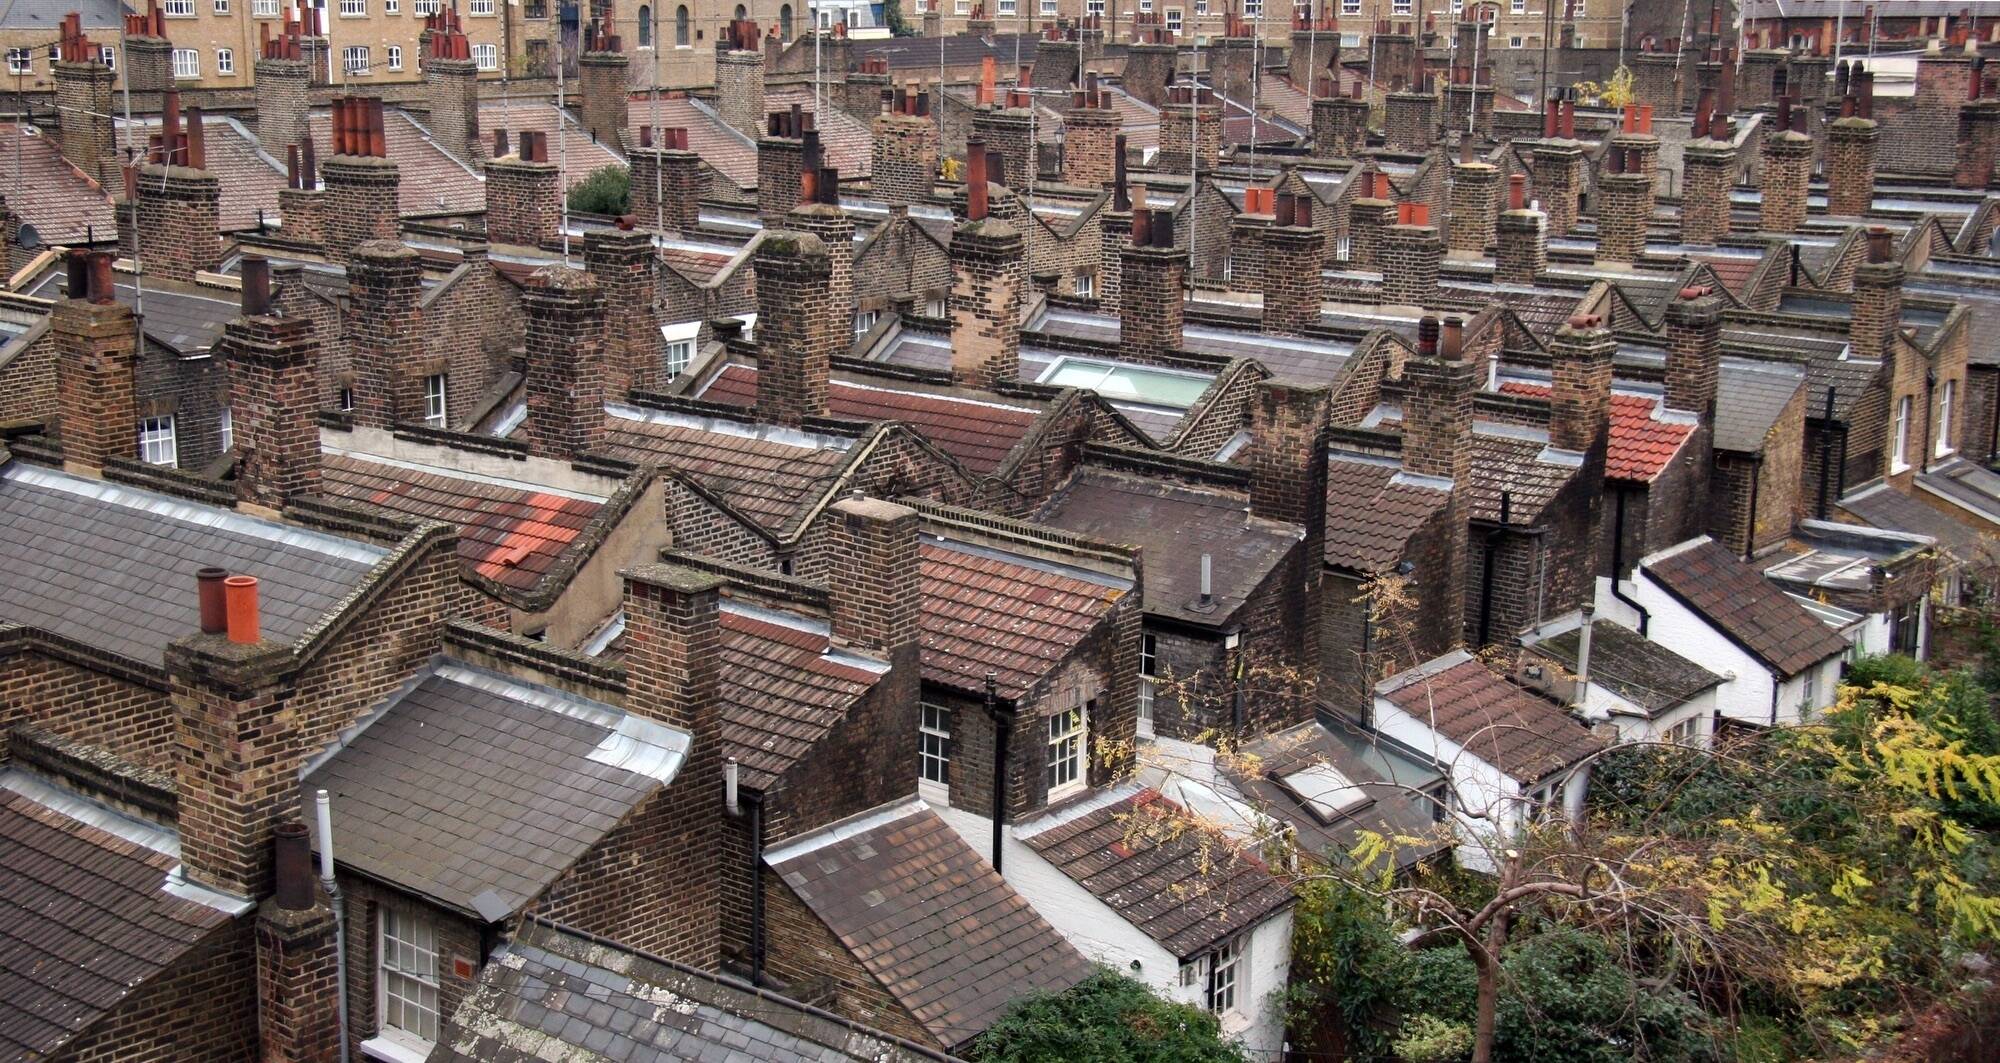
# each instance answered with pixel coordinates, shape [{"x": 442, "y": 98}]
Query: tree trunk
[{"x": 1486, "y": 959}]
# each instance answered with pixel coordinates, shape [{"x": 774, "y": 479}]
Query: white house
[
  {"x": 1779, "y": 663},
  {"x": 1615, "y": 675},
  {"x": 1136, "y": 882},
  {"x": 1507, "y": 752}
]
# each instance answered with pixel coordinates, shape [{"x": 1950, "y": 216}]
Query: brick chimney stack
[
  {"x": 1475, "y": 193},
  {"x": 1149, "y": 66},
  {"x": 1558, "y": 166},
  {"x": 302, "y": 202},
  {"x": 565, "y": 358},
  {"x": 1367, "y": 217},
  {"x": 1580, "y": 391},
  {"x": 986, "y": 293},
  {"x": 298, "y": 962},
  {"x": 524, "y": 195},
  {"x": 626, "y": 268},
  {"x": 385, "y": 334},
  {"x": 1090, "y": 133},
  {"x": 1710, "y": 168},
  {"x": 739, "y": 78},
  {"x": 284, "y": 84},
  {"x": 793, "y": 360},
  {"x": 1115, "y": 229},
  {"x": 1291, "y": 253},
  {"x": 148, "y": 54},
  {"x": 1340, "y": 123},
  {"x": 1878, "y": 300},
  {"x": 1437, "y": 410},
  {"x": 1152, "y": 277},
  {"x": 83, "y": 103},
  {"x": 1787, "y": 169},
  {"x": 179, "y": 207},
  {"x": 1315, "y": 49},
  {"x": 274, "y": 396},
  {"x": 1852, "y": 142},
  {"x": 1978, "y": 133},
  {"x": 451, "y": 87},
  {"x": 1409, "y": 118},
  {"x": 819, "y": 213},
  {"x": 1624, "y": 207},
  {"x": 363, "y": 186},
  {"x": 1410, "y": 257},
  {"x": 906, "y": 149},
  {"x": 97, "y": 354},
  {"x": 667, "y": 182},
  {"x": 604, "y": 77},
  {"x": 789, "y": 147},
  {"x": 673, "y": 641},
  {"x": 1287, "y": 453},
  {"x": 1005, "y": 129},
  {"x": 1694, "y": 352},
  {"x": 1521, "y": 246},
  {"x": 873, "y": 583},
  {"x": 1190, "y": 131}
]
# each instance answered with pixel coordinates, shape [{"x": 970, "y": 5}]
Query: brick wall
[
  {"x": 1408, "y": 121},
  {"x": 1090, "y": 146},
  {"x": 472, "y": 322},
  {"x": 1475, "y": 190},
  {"x": 1925, "y": 132},
  {"x": 1521, "y": 246},
  {"x": 985, "y": 303},
  {"x": 811, "y": 962},
  {"x": 1787, "y": 167},
  {"x": 83, "y": 107},
  {"x": 128, "y": 717},
  {"x": 792, "y": 301},
  {"x": 523, "y": 202},
  {"x": 667, "y": 186},
  {"x": 1339, "y": 127},
  {"x": 451, "y": 87},
  {"x": 1709, "y": 168},
  {"x": 457, "y": 938},
  {"x": 385, "y": 335},
  {"x": 905, "y": 161},
  {"x": 900, "y": 258},
  {"x": 1006, "y": 132},
  {"x": 1190, "y": 135},
  {"x": 96, "y": 355},
  {"x": 179, "y": 218},
  {"x": 282, "y": 104},
  {"x": 1150, "y": 302},
  {"x": 302, "y": 214},
  {"x": 298, "y": 982},
  {"x": 273, "y": 364},
  {"x": 739, "y": 91},
  {"x": 565, "y": 361},
  {"x": 202, "y": 1007},
  {"x": 626, "y": 268},
  {"x": 1410, "y": 255},
  {"x": 361, "y": 202},
  {"x": 1290, "y": 264},
  {"x": 604, "y": 79},
  {"x": 1558, "y": 176},
  {"x": 1850, "y": 166}
]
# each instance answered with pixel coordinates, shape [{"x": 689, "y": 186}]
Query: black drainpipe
[
  {"x": 1486, "y": 564},
  {"x": 756, "y": 801},
  {"x": 1825, "y": 453},
  {"x": 1750, "y": 526},
  {"x": 1618, "y": 560},
  {"x": 1930, "y": 420},
  {"x": 1003, "y": 726}
]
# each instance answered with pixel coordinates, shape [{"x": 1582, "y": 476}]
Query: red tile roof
[
  {"x": 780, "y": 693},
  {"x": 1370, "y": 516},
  {"x": 1640, "y": 447},
  {"x": 47, "y": 192},
  {"x": 980, "y": 434},
  {"x": 1733, "y": 271},
  {"x": 848, "y": 141},
  {"x": 1753, "y": 612},
  {"x": 510, "y": 535},
  {"x": 769, "y": 482},
  {"x": 984, "y": 613},
  {"x": 250, "y": 182}
]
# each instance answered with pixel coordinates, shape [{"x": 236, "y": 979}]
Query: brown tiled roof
[
  {"x": 983, "y": 612},
  {"x": 722, "y": 148},
  {"x": 472, "y": 782},
  {"x": 1504, "y": 463},
  {"x": 1522, "y": 734},
  {"x": 781, "y": 693},
  {"x": 48, "y": 193},
  {"x": 1632, "y": 666},
  {"x": 849, "y": 143},
  {"x": 511, "y": 535},
  {"x": 699, "y": 266},
  {"x": 980, "y": 434},
  {"x": 1183, "y": 883},
  {"x": 1369, "y": 516},
  {"x": 250, "y": 183},
  {"x": 585, "y": 154},
  {"x": 1750, "y": 610},
  {"x": 944, "y": 934},
  {"x": 427, "y": 175},
  {"x": 768, "y": 481},
  {"x": 83, "y": 923},
  {"x": 1176, "y": 525}
]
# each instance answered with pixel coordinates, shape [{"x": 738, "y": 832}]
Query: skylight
[
  {"x": 1325, "y": 791},
  {"x": 1128, "y": 383}
]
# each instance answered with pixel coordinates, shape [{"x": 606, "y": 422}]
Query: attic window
[
  {"x": 1128, "y": 383},
  {"x": 1325, "y": 791}
]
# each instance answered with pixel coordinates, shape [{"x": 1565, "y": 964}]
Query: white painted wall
[{"x": 1487, "y": 803}]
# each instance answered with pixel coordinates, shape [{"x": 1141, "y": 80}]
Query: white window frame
[
  {"x": 1145, "y": 7},
  {"x": 226, "y": 429},
  {"x": 486, "y": 56},
  {"x": 1251, "y": 8},
  {"x": 1517, "y": 41},
  {"x": 1008, "y": 7},
  {"x": 1809, "y": 692},
  {"x": 392, "y": 7},
  {"x": 1225, "y": 975},
  {"x": 1519, "y": 7},
  {"x": 395, "y": 57},
  {"x": 420, "y": 8},
  {"x": 961, "y": 7},
  {"x": 225, "y": 62},
  {"x": 343, "y": 400},
  {"x": 1149, "y": 662},
  {"x": 406, "y": 975},
  {"x": 1899, "y": 457},
  {"x": 1093, "y": 7},
  {"x": 1064, "y": 765},
  {"x": 437, "y": 400},
  {"x": 864, "y": 322},
  {"x": 263, "y": 8},
  {"x": 479, "y": 8},
  {"x": 20, "y": 61},
  {"x": 1049, "y": 7},
  {"x": 1946, "y": 393},
  {"x": 187, "y": 64},
  {"x": 1201, "y": 7},
  {"x": 1086, "y": 285},
  {"x": 178, "y": 8},
  {"x": 354, "y": 61},
  {"x": 1174, "y": 20},
  {"x": 157, "y": 442},
  {"x": 222, "y": 7},
  {"x": 678, "y": 350},
  {"x": 934, "y": 752},
  {"x": 353, "y": 8},
  {"x": 1401, "y": 7},
  {"x": 109, "y": 53},
  {"x": 1350, "y": 7}
]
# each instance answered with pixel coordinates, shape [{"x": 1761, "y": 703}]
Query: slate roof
[
  {"x": 1640, "y": 446},
  {"x": 1750, "y": 395},
  {"x": 1750, "y": 610},
  {"x": 1982, "y": 341},
  {"x": 84, "y": 922},
  {"x": 928, "y": 918},
  {"x": 429, "y": 179},
  {"x": 919, "y": 54},
  {"x": 1186, "y": 885},
  {"x": 768, "y": 479},
  {"x": 1632, "y": 666},
  {"x": 985, "y": 611},
  {"x": 1371, "y": 512},
  {"x": 1889, "y": 509},
  {"x": 549, "y": 991},
  {"x": 113, "y": 567},
  {"x": 1176, "y": 525},
  {"x": 47, "y": 15},
  {"x": 586, "y": 155},
  {"x": 978, "y": 433},
  {"x": 1522, "y": 734},
  {"x": 1965, "y": 484},
  {"x": 511, "y": 535},
  {"x": 185, "y": 319},
  {"x": 782, "y": 691},
  {"x": 45, "y": 191},
  {"x": 471, "y": 782}
]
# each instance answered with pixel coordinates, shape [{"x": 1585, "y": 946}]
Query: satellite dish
[{"x": 27, "y": 237}]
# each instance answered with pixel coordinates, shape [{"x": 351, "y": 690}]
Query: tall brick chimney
[
  {"x": 565, "y": 359},
  {"x": 1340, "y": 123},
  {"x": 1114, "y": 229},
  {"x": 1367, "y": 217},
  {"x": 284, "y": 83},
  {"x": 1149, "y": 67},
  {"x": 1852, "y": 141},
  {"x": 1411, "y": 254},
  {"x": 179, "y": 209},
  {"x": 362, "y": 185},
  {"x": 819, "y": 213},
  {"x": 1878, "y": 300},
  {"x": 793, "y": 360},
  {"x": 1286, "y": 454},
  {"x": 1624, "y": 206},
  {"x": 1006, "y": 129},
  {"x": 1787, "y": 169},
  {"x": 604, "y": 76},
  {"x": 986, "y": 289},
  {"x": 673, "y": 641},
  {"x": 1709, "y": 166},
  {"x": 626, "y": 267},
  {"x": 1580, "y": 390},
  {"x": 739, "y": 79},
  {"x": 97, "y": 354},
  {"x": 1152, "y": 279},
  {"x": 1978, "y": 136},
  {"x": 274, "y": 396},
  {"x": 298, "y": 960},
  {"x": 1292, "y": 251},
  {"x": 451, "y": 86},
  {"x": 83, "y": 103},
  {"x": 1475, "y": 195},
  {"x": 1437, "y": 410},
  {"x": 1521, "y": 244},
  {"x": 524, "y": 195},
  {"x": 667, "y": 183},
  {"x": 385, "y": 334},
  {"x": 1558, "y": 168},
  {"x": 1090, "y": 135},
  {"x": 906, "y": 150},
  {"x": 873, "y": 584},
  {"x": 148, "y": 55},
  {"x": 1409, "y": 119},
  {"x": 788, "y": 149},
  {"x": 1190, "y": 131},
  {"x": 1694, "y": 352},
  {"x": 1315, "y": 50}
]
